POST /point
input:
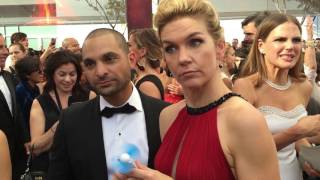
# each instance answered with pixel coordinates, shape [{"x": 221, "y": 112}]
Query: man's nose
[{"x": 101, "y": 69}]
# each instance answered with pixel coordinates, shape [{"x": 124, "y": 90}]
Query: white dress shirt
[
  {"x": 6, "y": 92},
  {"x": 8, "y": 62},
  {"x": 124, "y": 128}
]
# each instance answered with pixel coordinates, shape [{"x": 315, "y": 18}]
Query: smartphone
[{"x": 53, "y": 42}]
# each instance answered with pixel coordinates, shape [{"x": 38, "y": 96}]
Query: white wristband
[{"x": 310, "y": 73}]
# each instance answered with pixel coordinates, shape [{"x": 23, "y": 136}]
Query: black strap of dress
[
  {"x": 155, "y": 80},
  {"x": 50, "y": 109},
  {"x": 58, "y": 99},
  {"x": 204, "y": 109}
]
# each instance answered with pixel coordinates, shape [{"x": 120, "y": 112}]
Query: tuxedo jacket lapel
[
  {"x": 4, "y": 101},
  {"x": 9, "y": 82},
  {"x": 95, "y": 143},
  {"x": 151, "y": 112}
]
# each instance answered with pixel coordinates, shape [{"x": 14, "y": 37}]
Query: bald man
[
  {"x": 71, "y": 44},
  {"x": 89, "y": 134}
]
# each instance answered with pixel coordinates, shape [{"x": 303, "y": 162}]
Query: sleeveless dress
[
  {"x": 52, "y": 113},
  {"x": 194, "y": 137},
  {"x": 277, "y": 121},
  {"x": 155, "y": 80}
]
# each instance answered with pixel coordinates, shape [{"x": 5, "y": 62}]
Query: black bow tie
[{"x": 109, "y": 112}]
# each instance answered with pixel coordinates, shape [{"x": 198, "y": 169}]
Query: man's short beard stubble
[{"x": 115, "y": 89}]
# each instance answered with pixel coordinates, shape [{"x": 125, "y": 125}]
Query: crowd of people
[{"x": 195, "y": 106}]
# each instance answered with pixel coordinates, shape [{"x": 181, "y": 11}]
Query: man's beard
[
  {"x": 113, "y": 90},
  {"x": 247, "y": 43}
]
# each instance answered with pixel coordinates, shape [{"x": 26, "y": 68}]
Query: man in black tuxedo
[
  {"x": 10, "y": 116},
  {"x": 90, "y": 134}
]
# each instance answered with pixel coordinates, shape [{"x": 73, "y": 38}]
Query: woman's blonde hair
[
  {"x": 169, "y": 10},
  {"x": 147, "y": 38},
  {"x": 256, "y": 61}
]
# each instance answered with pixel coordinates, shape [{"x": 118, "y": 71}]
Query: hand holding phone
[{"x": 53, "y": 42}]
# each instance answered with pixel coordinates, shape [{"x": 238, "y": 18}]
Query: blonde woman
[{"x": 214, "y": 133}]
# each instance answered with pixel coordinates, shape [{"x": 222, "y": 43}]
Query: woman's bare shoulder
[
  {"x": 242, "y": 123},
  {"x": 36, "y": 106},
  {"x": 246, "y": 87},
  {"x": 303, "y": 85},
  {"x": 246, "y": 82},
  {"x": 36, "y": 112},
  {"x": 247, "y": 138},
  {"x": 168, "y": 115},
  {"x": 240, "y": 114},
  {"x": 304, "y": 88}
]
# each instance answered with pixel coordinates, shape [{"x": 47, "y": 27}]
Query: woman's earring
[
  {"x": 220, "y": 64},
  {"x": 262, "y": 51},
  {"x": 141, "y": 64}
]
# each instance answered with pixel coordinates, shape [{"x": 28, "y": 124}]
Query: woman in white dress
[{"x": 274, "y": 83}]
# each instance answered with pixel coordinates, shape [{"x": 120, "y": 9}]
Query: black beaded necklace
[{"x": 204, "y": 109}]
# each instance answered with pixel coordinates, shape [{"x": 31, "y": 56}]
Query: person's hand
[
  {"x": 309, "y": 126},
  {"x": 309, "y": 27},
  {"x": 33, "y": 146},
  {"x": 310, "y": 170},
  {"x": 54, "y": 127},
  {"x": 175, "y": 88},
  {"x": 142, "y": 172},
  {"x": 51, "y": 49},
  {"x": 27, "y": 147}
]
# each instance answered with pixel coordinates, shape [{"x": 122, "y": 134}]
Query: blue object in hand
[{"x": 124, "y": 161}]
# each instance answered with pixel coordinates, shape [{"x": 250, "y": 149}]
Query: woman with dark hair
[
  {"x": 29, "y": 73},
  {"x": 145, "y": 55},
  {"x": 63, "y": 72}
]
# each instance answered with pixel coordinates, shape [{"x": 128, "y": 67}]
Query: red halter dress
[{"x": 194, "y": 137}]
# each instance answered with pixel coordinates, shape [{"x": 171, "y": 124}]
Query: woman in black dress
[
  {"x": 145, "y": 55},
  {"x": 63, "y": 72}
]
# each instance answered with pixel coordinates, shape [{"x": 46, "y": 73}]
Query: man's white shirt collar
[{"x": 134, "y": 100}]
